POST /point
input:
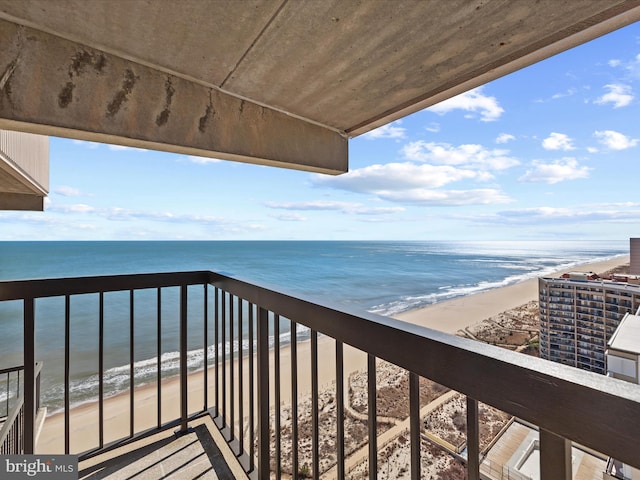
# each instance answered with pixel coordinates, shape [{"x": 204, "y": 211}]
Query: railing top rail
[
  {"x": 593, "y": 410},
  {"x": 41, "y": 288},
  {"x": 11, "y": 369}
]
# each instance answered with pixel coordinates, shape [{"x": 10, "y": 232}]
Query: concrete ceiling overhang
[{"x": 275, "y": 82}]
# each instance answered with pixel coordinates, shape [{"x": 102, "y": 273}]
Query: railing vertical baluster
[
  {"x": 252, "y": 437},
  {"x": 131, "y": 364},
  {"x": 372, "y": 421},
  {"x": 183, "y": 359},
  {"x": 276, "y": 393},
  {"x": 101, "y": 369},
  {"x": 294, "y": 399},
  {"x": 224, "y": 360},
  {"x": 315, "y": 418},
  {"x": 8, "y": 383},
  {"x": 232, "y": 419},
  {"x": 473, "y": 440},
  {"x": 340, "y": 409},
  {"x": 29, "y": 376},
  {"x": 216, "y": 340},
  {"x": 205, "y": 342},
  {"x": 555, "y": 457},
  {"x": 263, "y": 394},
  {"x": 67, "y": 334},
  {"x": 38, "y": 376},
  {"x": 240, "y": 381},
  {"x": 414, "y": 423},
  {"x": 159, "y": 353}
]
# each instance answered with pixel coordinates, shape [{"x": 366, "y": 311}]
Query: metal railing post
[
  {"x": 414, "y": 422},
  {"x": 372, "y": 417},
  {"x": 555, "y": 457},
  {"x": 263, "y": 394},
  {"x": 473, "y": 440},
  {"x": 29, "y": 376},
  {"x": 183, "y": 359}
]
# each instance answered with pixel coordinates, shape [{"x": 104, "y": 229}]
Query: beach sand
[{"x": 448, "y": 316}]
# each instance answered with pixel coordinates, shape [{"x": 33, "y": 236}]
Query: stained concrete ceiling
[{"x": 275, "y": 82}]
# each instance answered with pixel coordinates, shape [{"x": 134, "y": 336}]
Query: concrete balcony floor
[{"x": 199, "y": 454}]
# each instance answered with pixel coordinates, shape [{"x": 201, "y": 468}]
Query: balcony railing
[
  {"x": 12, "y": 425},
  {"x": 241, "y": 330}
]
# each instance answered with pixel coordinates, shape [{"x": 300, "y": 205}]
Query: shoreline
[{"x": 448, "y": 316}]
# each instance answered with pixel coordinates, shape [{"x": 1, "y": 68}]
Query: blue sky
[{"x": 549, "y": 152}]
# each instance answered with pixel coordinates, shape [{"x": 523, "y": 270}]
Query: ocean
[{"x": 381, "y": 277}]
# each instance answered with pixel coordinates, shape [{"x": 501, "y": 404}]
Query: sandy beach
[{"x": 448, "y": 316}]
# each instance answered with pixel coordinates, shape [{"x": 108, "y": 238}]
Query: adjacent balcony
[
  {"x": 266, "y": 378},
  {"x": 24, "y": 170}
]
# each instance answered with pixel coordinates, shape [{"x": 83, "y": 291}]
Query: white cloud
[
  {"x": 632, "y": 67},
  {"x": 592, "y": 150},
  {"x": 85, "y": 143},
  {"x": 390, "y": 130},
  {"x": 619, "y": 95},
  {"x": 582, "y": 215},
  {"x": 122, "y": 148},
  {"x": 558, "y": 171},
  {"x": 472, "y": 101},
  {"x": 427, "y": 197},
  {"x": 558, "y": 141},
  {"x": 67, "y": 191},
  {"x": 470, "y": 155},
  {"x": 505, "y": 138},
  {"x": 345, "y": 207},
  {"x": 433, "y": 127},
  {"x": 290, "y": 217},
  {"x": 202, "y": 160},
  {"x": 615, "y": 140},
  {"x": 568, "y": 93},
  {"x": 113, "y": 148},
  {"x": 397, "y": 176},
  {"x": 77, "y": 208}
]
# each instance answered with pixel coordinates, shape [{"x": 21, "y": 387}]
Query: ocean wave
[
  {"x": 117, "y": 379},
  {"x": 532, "y": 270}
]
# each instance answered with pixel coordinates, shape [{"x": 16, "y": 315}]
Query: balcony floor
[{"x": 165, "y": 455}]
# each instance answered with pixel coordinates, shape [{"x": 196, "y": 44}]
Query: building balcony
[
  {"x": 258, "y": 390},
  {"x": 24, "y": 170}
]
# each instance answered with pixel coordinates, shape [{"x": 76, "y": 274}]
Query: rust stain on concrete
[
  {"x": 65, "y": 97},
  {"x": 83, "y": 59},
  {"x": 5, "y": 82},
  {"x": 122, "y": 95},
  {"x": 163, "y": 117},
  {"x": 207, "y": 117}
]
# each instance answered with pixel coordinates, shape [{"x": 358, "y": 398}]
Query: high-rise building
[
  {"x": 634, "y": 248},
  {"x": 578, "y": 316}
]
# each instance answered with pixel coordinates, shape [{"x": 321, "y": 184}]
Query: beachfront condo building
[
  {"x": 578, "y": 316},
  {"x": 634, "y": 264}
]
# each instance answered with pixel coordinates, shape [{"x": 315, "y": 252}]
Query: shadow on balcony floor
[{"x": 193, "y": 455}]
